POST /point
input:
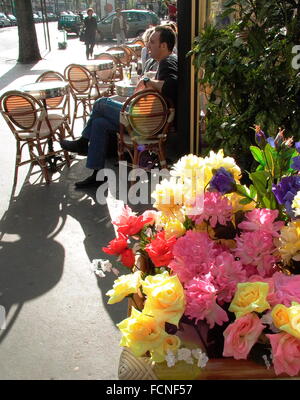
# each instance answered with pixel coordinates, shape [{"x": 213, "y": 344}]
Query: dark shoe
[
  {"x": 89, "y": 182},
  {"x": 79, "y": 146}
]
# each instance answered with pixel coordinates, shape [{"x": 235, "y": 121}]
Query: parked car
[
  {"x": 4, "y": 21},
  {"x": 71, "y": 23},
  {"x": 36, "y": 18},
  {"x": 138, "y": 21},
  {"x": 13, "y": 19},
  {"x": 51, "y": 17}
]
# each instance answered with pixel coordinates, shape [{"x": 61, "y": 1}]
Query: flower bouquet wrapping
[{"x": 220, "y": 257}]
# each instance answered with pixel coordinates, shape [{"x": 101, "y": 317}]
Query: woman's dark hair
[{"x": 166, "y": 35}]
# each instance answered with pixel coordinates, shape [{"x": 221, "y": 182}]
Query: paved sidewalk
[{"x": 58, "y": 323}]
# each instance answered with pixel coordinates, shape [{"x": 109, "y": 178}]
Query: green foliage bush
[{"x": 248, "y": 65}]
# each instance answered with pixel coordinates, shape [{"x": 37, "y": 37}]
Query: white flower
[
  {"x": 185, "y": 355},
  {"x": 267, "y": 362},
  {"x": 99, "y": 266},
  {"x": 201, "y": 357},
  {"x": 115, "y": 271},
  {"x": 106, "y": 265},
  {"x": 170, "y": 358},
  {"x": 100, "y": 273}
]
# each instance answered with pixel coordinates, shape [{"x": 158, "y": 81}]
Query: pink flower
[
  {"x": 256, "y": 248},
  {"x": 286, "y": 353},
  {"x": 149, "y": 216},
  {"x": 216, "y": 208},
  {"x": 128, "y": 223},
  {"x": 286, "y": 289},
  {"x": 241, "y": 335},
  {"x": 193, "y": 254},
  {"x": 262, "y": 219},
  {"x": 201, "y": 297},
  {"x": 227, "y": 273}
]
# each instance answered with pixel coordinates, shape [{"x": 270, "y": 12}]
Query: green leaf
[
  {"x": 260, "y": 181},
  {"x": 270, "y": 159},
  {"x": 257, "y": 154},
  {"x": 245, "y": 201}
]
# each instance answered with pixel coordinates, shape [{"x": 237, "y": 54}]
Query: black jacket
[{"x": 90, "y": 29}]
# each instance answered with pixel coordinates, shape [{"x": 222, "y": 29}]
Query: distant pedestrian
[
  {"x": 119, "y": 27},
  {"x": 172, "y": 10},
  {"x": 90, "y": 23}
]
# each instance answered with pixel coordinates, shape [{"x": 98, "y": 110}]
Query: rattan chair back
[
  {"x": 79, "y": 78},
  {"x": 55, "y": 103}
]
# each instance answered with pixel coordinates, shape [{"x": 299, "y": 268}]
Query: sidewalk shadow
[
  {"x": 18, "y": 71},
  {"x": 95, "y": 222},
  {"x": 32, "y": 261}
]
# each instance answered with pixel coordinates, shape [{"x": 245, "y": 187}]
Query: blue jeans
[{"x": 103, "y": 121}]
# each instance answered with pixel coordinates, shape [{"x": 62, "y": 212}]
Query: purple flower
[
  {"x": 296, "y": 163},
  {"x": 260, "y": 137},
  {"x": 286, "y": 190},
  {"x": 297, "y": 146},
  {"x": 222, "y": 181},
  {"x": 271, "y": 141}
]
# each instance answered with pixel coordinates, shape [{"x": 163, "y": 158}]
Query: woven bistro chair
[
  {"x": 125, "y": 60},
  {"x": 30, "y": 124},
  {"x": 138, "y": 41},
  {"x": 145, "y": 120},
  {"x": 106, "y": 78},
  {"x": 81, "y": 85},
  {"x": 61, "y": 103}
]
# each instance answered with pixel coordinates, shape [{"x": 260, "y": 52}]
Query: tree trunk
[{"x": 28, "y": 46}]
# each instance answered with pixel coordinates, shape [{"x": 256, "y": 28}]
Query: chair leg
[
  {"x": 162, "y": 155},
  {"x": 74, "y": 114},
  {"x": 42, "y": 162},
  {"x": 66, "y": 153},
  {"x": 68, "y": 129}
]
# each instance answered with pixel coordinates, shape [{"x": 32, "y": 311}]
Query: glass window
[
  {"x": 131, "y": 16},
  {"x": 141, "y": 17},
  {"x": 108, "y": 20}
]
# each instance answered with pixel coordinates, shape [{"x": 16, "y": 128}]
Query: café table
[
  {"x": 116, "y": 53},
  {"x": 137, "y": 49},
  {"x": 42, "y": 91},
  {"x": 124, "y": 88},
  {"x": 95, "y": 66},
  {"x": 46, "y": 89}
]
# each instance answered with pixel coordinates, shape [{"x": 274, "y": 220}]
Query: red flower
[
  {"x": 160, "y": 249},
  {"x": 127, "y": 258},
  {"x": 129, "y": 224},
  {"x": 116, "y": 246}
]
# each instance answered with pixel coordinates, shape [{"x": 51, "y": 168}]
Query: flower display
[{"x": 218, "y": 255}]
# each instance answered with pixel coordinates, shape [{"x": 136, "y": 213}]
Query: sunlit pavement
[{"x": 58, "y": 325}]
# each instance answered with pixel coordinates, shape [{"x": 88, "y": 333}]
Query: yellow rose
[
  {"x": 169, "y": 197},
  {"x": 293, "y": 323},
  {"x": 165, "y": 297},
  {"x": 124, "y": 286},
  {"x": 250, "y": 296},
  {"x": 174, "y": 227},
  {"x": 280, "y": 315},
  {"x": 170, "y": 343},
  {"x": 141, "y": 333}
]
